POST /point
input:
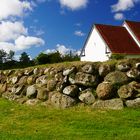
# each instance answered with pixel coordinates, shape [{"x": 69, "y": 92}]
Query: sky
[{"x": 35, "y": 26}]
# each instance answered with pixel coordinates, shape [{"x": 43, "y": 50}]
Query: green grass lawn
[{"x": 19, "y": 122}]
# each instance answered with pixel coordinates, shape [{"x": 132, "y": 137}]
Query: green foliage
[
  {"x": 10, "y": 55},
  {"x": 42, "y": 58},
  {"x": 24, "y": 58},
  {"x": 2, "y": 56},
  {"x": 117, "y": 56},
  {"x": 55, "y": 57},
  {"x": 77, "y": 123},
  {"x": 7, "y": 59}
]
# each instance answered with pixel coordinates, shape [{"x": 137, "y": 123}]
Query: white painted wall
[
  {"x": 95, "y": 48},
  {"x": 131, "y": 33}
]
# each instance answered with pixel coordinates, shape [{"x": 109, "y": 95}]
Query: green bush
[{"x": 117, "y": 56}]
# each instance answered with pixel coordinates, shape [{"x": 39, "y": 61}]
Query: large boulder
[
  {"x": 105, "y": 90},
  {"x": 71, "y": 90},
  {"x": 28, "y": 72},
  {"x": 31, "y": 79},
  {"x": 104, "y": 69},
  {"x": 132, "y": 90},
  {"x": 36, "y": 71},
  {"x": 59, "y": 77},
  {"x": 88, "y": 68},
  {"x": 42, "y": 94},
  {"x": 31, "y": 92},
  {"x": 136, "y": 87},
  {"x": 51, "y": 85},
  {"x": 86, "y": 80},
  {"x": 123, "y": 66},
  {"x": 125, "y": 92},
  {"x": 133, "y": 103},
  {"x": 117, "y": 77},
  {"x": 67, "y": 72},
  {"x": 18, "y": 89},
  {"x": 42, "y": 79},
  {"x": 87, "y": 97},
  {"x": 62, "y": 101},
  {"x": 114, "y": 104},
  {"x": 3, "y": 88},
  {"x": 15, "y": 79},
  {"x": 23, "y": 80},
  {"x": 133, "y": 73},
  {"x": 61, "y": 84}
]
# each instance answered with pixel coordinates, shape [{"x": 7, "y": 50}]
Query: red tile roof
[
  {"x": 135, "y": 27},
  {"x": 118, "y": 39}
]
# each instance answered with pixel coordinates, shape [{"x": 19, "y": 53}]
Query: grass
[{"x": 20, "y": 122}]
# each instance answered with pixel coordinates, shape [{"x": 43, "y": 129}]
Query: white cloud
[
  {"x": 7, "y": 46},
  {"x": 13, "y": 8},
  {"x": 79, "y": 33},
  {"x": 119, "y": 16},
  {"x": 21, "y": 43},
  {"x": 63, "y": 50},
  {"x": 11, "y": 30},
  {"x": 124, "y": 5},
  {"x": 74, "y": 4}
]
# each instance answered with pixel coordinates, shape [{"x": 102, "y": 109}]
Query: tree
[
  {"x": 24, "y": 58},
  {"x": 2, "y": 56},
  {"x": 10, "y": 55},
  {"x": 55, "y": 57},
  {"x": 42, "y": 58}
]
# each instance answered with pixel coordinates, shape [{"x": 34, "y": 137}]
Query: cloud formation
[
  {"x": 119, "y": 16},
  {"x": 13, "y": 34},
  {"x": 74, "y": 4},
  {"x": 13, "y": 8},
  {"x": 11, "y": 30},
  {"x": 79, "y": 33},
  {"x": 123, "y": 5},
  {"x": 63, "y": 50},
  {"x": 21, "y": 43}
]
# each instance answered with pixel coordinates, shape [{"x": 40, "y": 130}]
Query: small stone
[{"x": 32, "y": 102}]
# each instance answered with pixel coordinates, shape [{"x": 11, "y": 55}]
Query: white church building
[{"x": 104, "y": 40}]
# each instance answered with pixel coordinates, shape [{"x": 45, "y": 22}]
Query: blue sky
[{"x": 36, "y": 26}]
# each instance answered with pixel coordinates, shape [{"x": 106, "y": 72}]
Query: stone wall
[{"x": 99, "y": 85}]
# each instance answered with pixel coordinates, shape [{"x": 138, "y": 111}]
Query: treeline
[{"x": 7, "y": 60}]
